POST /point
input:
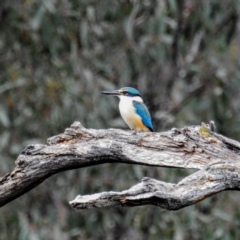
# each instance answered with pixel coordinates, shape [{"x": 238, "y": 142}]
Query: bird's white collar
[{"x": 126, "y": 98}]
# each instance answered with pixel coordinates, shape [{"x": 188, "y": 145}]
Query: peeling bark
[{"x": 197, "y": 147}]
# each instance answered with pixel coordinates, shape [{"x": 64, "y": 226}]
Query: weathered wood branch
[
  {"x": 190, "y": 190},
  {"x": 190, "y": 147}
]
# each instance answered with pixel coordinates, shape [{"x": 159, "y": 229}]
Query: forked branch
[{"x": 197, "y": 147}]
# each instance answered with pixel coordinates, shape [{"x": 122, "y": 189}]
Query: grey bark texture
[{"x": 216, "y": 157}]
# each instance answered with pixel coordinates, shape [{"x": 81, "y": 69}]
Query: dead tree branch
[
  {"x": 197, "y": 147},
  {"x": 190, "y": 190}
]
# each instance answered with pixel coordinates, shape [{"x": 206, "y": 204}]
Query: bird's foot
[{"x": 134, "y": 132}]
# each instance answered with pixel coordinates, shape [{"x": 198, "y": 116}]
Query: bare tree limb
[
  {"x": 190, "y": 190},
  {"x": 190, "y": 147}
]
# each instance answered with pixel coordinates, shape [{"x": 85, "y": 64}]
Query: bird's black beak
[{"x": 112, "y": 92}]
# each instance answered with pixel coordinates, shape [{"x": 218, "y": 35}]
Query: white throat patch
[{"x": 127, "y": 110}]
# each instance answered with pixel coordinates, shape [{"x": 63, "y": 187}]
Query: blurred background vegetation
[{"x": 56, "y": 57}]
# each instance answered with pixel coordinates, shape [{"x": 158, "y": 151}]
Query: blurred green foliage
[{"x": 57, "y": 56}]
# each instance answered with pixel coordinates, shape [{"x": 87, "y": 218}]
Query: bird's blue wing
[{"x": 143, "y": 112}]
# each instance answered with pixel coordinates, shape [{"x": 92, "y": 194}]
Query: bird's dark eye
[{"x": 125, "y": 93}]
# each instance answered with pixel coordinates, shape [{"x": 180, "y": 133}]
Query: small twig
[
  {"x": 130, "y": 27},
  {"x": 193, "y": 52},
  {"x": 10, "y": 85}
]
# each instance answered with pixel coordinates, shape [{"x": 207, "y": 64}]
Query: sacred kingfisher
[{"x": 132, "y": 109}]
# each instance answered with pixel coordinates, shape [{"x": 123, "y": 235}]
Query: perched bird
[{"x": 132, "y": 109}]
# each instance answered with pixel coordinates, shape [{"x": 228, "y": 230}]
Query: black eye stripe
[{"x": 126, "y": 93}]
